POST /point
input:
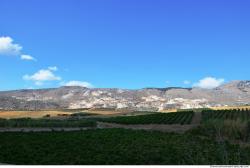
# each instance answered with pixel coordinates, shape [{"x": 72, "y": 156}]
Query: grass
[
  {"x": 29, "y": 123},
  {"x": 117, "y": 147},
  {"x": 156, "y": 118}
]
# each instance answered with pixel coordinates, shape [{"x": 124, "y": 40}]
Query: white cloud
[
  {"x": 79, "y": 83},
  {"x": 8, "y": 48},
  {"x": 186, "y": 82},
  {"x": 27, "y": 58},
  {"x": 53, "y": 68},
  {"x": 209, "y": 83},
  {"x": 42, "y": 76}
]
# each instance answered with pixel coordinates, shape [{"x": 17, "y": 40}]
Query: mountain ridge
[{"x": 73, "y": 97}]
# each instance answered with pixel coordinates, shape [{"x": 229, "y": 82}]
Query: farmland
[
  {"x": 157, "y": 118},
  {"x": 30, "y": 123},
  {"x": 32, "y": 114},
  {"x": 241, "y": 114},
  {"x": 218, "y": 137},
  {"x": 11, "y": 114},
  {"x": 117, "y": 146}
]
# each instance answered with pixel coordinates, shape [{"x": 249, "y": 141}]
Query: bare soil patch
[
  {"x": 149, "y": 127},
  {"x": 31, "y": 114}
]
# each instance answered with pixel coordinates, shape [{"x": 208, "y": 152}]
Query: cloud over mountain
[
  {"x": 41, "y": 76},
  {"x": 209, "y": 83},
  {"x": 79, "y": 83}
]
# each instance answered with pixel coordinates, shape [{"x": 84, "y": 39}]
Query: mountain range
[{"x": 73, "y": 97}]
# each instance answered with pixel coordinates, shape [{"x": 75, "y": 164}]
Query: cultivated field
[
  {"x": 55, "y": 113},
  {"x": 105, "y": 112},
  {"x": 31, "y": 114},
  {"x": 45, "y": 123},
  {"x": 157, "y": 118},
  {"x": 230, "y": 107},
  {"x": 186, "y": 137},
  {"x": 117, "y": 147},
  {"x": 243, "y": 115}
]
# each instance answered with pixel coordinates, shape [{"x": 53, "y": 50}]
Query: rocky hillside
[{"x": 233, "y": 93}]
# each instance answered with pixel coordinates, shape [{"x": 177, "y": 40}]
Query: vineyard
[
  {"x": 243, "y": 115},
  {"x": 116, "y": 147},
  {"x": 157, "y": 118},
  {"x": 27, "y": 122},
  {"x": 216, "y": 141},
  {"x": 78, "y": 120}
]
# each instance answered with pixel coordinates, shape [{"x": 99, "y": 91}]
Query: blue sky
[{"x": 123, "y": 43}]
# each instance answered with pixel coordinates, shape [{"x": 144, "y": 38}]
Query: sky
[{"x": 123, "y": 43}]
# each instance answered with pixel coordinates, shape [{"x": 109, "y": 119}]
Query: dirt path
[
  {"x": 149, "y": 127},
  {"x": 196, "y": 120}
]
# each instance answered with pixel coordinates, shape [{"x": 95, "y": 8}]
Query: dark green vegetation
[
  {"x": 234, "y": 131},
  {"x": 157, "y": 118},
  {"x": 117, "y": 146},
  {"x": 233, "y": 125},
  {"x": 223, "y": 137},
  {"x": 242, "y": 115},
  {"x": 27, "y": 122},
  {"x": 81, "y": 114}
]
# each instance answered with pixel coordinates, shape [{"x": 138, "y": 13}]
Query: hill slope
[{"x": 233, "y": 93}]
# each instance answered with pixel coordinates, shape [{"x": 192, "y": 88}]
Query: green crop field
[
  {"x": 117, "y": 146},
  {"x": 157, "y": 118},
  {"x": 27, "y": 122},
  {"x": 223, "y": 137},
  {"x": 243, "y": 115}
]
